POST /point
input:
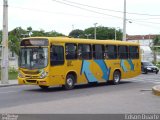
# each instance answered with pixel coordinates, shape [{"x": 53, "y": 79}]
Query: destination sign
[{"x": 34, "y": 42}]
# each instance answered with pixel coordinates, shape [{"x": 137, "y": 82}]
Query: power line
[
  {"x": 38, "y": 10},
  {"x": 147, "y": 19},
  {"x": 146, "y": 22},
  {"x": 86, "y": 9},
  {"x": 106, "y": 9},
  {"x": 146, "y": 25},
  {"x": 90, "y": 6},
  {"x": 97, "y": 12},
  {"x": 50, "y": 12}
]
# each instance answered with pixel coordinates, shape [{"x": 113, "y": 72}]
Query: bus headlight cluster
[
  {"x": 43, "y": 74},
  {"x": 20, "y": 75}
]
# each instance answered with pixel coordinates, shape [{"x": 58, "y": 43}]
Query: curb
[
  {"x": 8, "y": 85},
  {"x": 156, "y": 90}
]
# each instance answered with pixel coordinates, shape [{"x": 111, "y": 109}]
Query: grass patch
[{"x": 12, "y": 74}]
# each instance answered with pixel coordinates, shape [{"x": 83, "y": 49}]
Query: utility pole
[
  {"x": 115, "y": 34},
  {"x": 124, "y": 22},
  {"x": 4, "y": 62},
  {"x": 95, "y": 30}
]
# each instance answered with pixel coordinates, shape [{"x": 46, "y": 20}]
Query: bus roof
[{"x": 78, "y": 40}]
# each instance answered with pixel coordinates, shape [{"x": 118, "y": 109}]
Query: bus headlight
[
  {"x": 20, "y": 75},
  {"x": 43, "y": 74}
]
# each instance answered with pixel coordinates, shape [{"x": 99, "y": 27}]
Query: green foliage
[
  {"x": 53, "y": 34},
  {"x": 0, "y": 36},
  {"x": 18, "y": 33},
  {"x": 76, "y": 33},
  {"x": 12, "y": 74},
  {"x": 158, "y": 64},
  {"x": 156, "y": 42},
  {"x": 14, "y": 39},
  {"x": 12, "y": 70},
  {"x": 102, "y": 33}
]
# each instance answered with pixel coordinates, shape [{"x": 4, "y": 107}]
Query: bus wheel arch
[
  {"x": 71, "y": 79},
  {"x": 116, "y": 77}
]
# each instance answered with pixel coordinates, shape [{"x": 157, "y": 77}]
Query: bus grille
[
  {"x": 31, "y": 81},
  {"x": 31, "y": 72}
]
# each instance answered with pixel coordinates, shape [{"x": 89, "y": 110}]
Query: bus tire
[
  {"x": 70, "y": 82},
  {"x": 116, "y": 77},
  {"x": 43, "y": 87}
]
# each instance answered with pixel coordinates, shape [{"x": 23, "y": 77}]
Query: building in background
[{"x": 146, "y": 42}]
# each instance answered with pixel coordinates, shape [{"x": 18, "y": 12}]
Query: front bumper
[{"x": 35, "y": 81}]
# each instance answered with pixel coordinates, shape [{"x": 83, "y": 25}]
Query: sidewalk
[
  {"x": 156, "y": 90},
  {"x": 11, "y": 83}
]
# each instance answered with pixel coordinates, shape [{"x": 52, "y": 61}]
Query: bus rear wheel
[
  {"x": 43, "y": 87},
  {"x": 116, "y": 77},
  {"x": 70, "y": 82}
]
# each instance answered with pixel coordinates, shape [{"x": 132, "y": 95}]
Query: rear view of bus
[{"x": 33, "y": 61}]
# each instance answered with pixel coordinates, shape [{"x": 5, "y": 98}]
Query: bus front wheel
[
  {"x": 70, "y": 82},
  {"x": 116, "y": 77}
]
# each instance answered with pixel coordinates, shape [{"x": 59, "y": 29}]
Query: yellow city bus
[{"x": 52, "y": 61}]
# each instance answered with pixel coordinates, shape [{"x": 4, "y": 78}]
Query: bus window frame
[
  {"x": 80, "y": 55},
  {"x": 122, "y": 53},
  {"x": 76, "y": 52},
  {"x": 52, "y": 62},
  {"x": 108, "y": 52},
  {"x": 94, "y": 52},
  {"x": 135, "y": 53}
]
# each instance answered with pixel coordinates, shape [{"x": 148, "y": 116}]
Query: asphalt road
[{"x": 131, "y": 96}]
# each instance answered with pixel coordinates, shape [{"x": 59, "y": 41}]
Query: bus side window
[
  {"x": 111, "y": 51},
  {"x": 133, "y": 52},
  {"x": 98, "y": 51},
  {"x": 123, "y": 52},
  {"x": 71, "y": 51},
  {"x": 84, "y": 51},
  {"x": 57, "y": 55}
]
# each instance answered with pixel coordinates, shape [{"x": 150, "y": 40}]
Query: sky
[{"x": 143, "y": 16}]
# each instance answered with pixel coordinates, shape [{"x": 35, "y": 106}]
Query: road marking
[{"x": 7, "y": 92}]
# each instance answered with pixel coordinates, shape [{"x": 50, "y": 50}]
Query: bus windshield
[{"x": 33, "y": 57}]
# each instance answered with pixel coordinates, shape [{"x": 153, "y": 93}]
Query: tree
[
  {"x": 53, "y": 34},
  {"x": 102, "y": 33},
  {"x": 18, "y": 33},
  {"x": 76, "y": 33},
  {"x": 29, "y": 30},
  {"x": 14, "y": 39},
  {"x": 156, "y": 44},
  {"x": 38, "y": 33}
]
